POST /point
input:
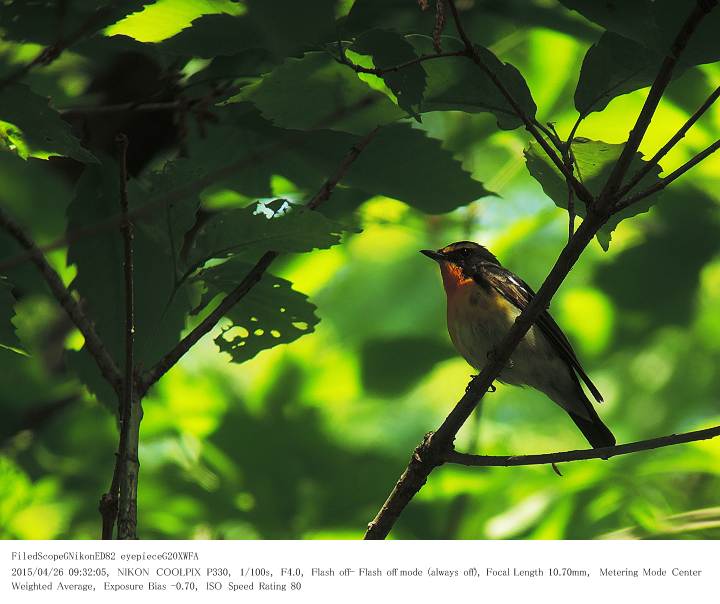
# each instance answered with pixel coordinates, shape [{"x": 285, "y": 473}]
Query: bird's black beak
[{"x": 437, "y": 256}]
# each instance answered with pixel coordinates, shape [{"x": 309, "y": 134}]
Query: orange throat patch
[{"x": 453, "y": 278}]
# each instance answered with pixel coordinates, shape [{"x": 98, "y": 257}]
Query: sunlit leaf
[{"x": 594, "y": 161}]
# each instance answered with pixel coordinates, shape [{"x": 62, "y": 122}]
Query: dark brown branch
[
  {"x": 466, "y": 459},
  {"x": 655, "y": 159},
  {"x": 674, "y": 175},
  {"x": 431, "y": 452},
  {"x": 530, "y": 124},
  {"x": 701, "y": 9},
  {"x": 94, "y": 345},
  {"x": 250, "y": 280}
]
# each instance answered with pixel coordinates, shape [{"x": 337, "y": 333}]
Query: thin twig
[
  {"x": 701, "y": 9},
  {"x": 655, "y": 159},
  {"x": 466, "y": 459},
  {"x": 48, "y": 54},
  {"x": 94, "y": 345},
  {"x": 250, "y": 280},
  {"x": 471, "y": 52},
  {"x": 381, "y": 71},
  {"x": 674, "y": 175}
]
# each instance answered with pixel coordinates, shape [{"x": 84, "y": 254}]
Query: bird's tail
[{"x": 597, "y": 433}]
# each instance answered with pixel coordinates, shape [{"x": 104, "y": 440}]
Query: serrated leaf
[
  {"x": 613, "y": 66},
  {"x": 317, "y": 92},
  {"x": 159, "y": 310},
  {"x": 595, "y": 161},
  {"x": 400, "y": 162},
  {"x": 281, "y": 27},
  {"x": 43, "y": 131},
  {"x": 8, "y": 337},
  {"x": 388, "y": 48},
  {"x": 457, "y": 84},
  {"x": 406, "y": 164},
  {"x": 249, "y": 232},
  {"x": 271, "y": 313}
]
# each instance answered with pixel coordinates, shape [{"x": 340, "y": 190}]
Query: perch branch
[
  {"x": 466, "y": 459},
  {"x": 250, "y": 280}
]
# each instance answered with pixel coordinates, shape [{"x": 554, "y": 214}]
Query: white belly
[{"x": 477, "y": 323}]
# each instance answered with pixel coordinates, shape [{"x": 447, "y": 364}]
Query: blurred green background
[{"x": 306, "y": 440}]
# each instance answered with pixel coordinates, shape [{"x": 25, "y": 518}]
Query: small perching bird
[{"x": 483, "y": 300}]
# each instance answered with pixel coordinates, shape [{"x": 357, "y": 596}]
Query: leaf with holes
[
  {"x": 388, "y": 48},
  {"x": 594, "y": 162},
  {"x": 271, "y": 313},
  {"x": 42, "y": 132}
]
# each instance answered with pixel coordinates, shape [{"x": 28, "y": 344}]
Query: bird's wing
[{"x": 519, "y": 294}]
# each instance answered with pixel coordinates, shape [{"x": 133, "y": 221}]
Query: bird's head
[{"x": 459, "y": 261}]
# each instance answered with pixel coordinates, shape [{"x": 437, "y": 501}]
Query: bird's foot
[{"x": 491, "y": 388}]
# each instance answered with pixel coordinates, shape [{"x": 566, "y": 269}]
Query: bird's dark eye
[{"x": 465, "y": 252}]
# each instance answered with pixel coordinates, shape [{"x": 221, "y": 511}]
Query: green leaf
[
  {"x": 390, "y": 366},
  {"x": 43, "y": 131},
  {"x": 271, "y": 313},
  {"x": 614, "y": 66},
  {"x": 317, "y": 92},
  {"x": 282, "y": 27},
  {"x": 595, "y": 161},
  {"x": 457, "y": 84},
  {"x": 655, "y": 24},
  {"x": 400, "y": 162},
  {"x": 8, "y": 338},
  {"x": 387, "y": 49},
  {"x": 407, "y": 164},
  {"x": 159, "y": 310},
  {"x": 249, "y": 232}
]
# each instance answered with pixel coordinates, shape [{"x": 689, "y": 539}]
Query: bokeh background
[{"x": 305, "y": 440}]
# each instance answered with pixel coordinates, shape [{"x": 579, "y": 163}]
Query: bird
[{"x": 483, "y": 300}]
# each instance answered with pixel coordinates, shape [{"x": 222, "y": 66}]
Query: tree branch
[
  {"x": 702, "y": 8},
  {"x": 470, "y": 51},
  {"x": 466, "y": 459},
  {"x": 655, "y": 159},
  {"x": 94, "y": 345},
  {"x": 660, "y": 185},
  {"x": 250, "y": 280}
]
